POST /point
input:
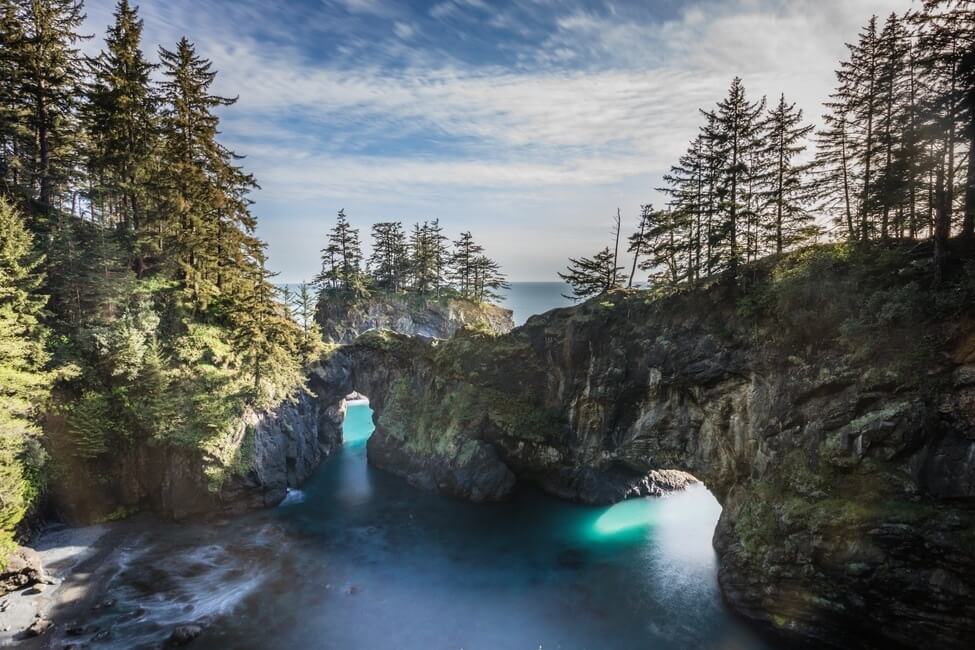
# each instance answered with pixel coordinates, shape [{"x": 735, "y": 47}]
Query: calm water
[
  {"x": 360, "y": 560},
  {"x": 529, "y": 298}
]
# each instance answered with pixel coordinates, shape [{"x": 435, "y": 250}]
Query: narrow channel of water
[{"x": 360, "y": 560}]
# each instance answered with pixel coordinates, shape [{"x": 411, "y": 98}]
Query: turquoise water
[{"x": 365, "y": 561}]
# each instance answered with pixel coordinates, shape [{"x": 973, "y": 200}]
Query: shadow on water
[{"x": 365, "y": 561}]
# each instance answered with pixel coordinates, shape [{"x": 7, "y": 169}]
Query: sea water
[
  {"x": 526, "y": 299},
  {"x": 364, "y": 561}
]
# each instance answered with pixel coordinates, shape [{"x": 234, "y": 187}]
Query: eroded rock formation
[
  {"x": 840, "y": 450},
  {"x": 342, "y": 321}
]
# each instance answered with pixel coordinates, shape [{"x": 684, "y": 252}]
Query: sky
[{"x": 527, "y": 122}]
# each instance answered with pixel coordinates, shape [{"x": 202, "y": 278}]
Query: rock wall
[
  {"x": 279, "y": 449},
  {"x": 342, "y": 321},
  {"x": 843, "y": 458}
]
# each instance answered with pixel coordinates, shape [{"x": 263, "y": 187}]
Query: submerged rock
[{"x": 183, "y": 635}]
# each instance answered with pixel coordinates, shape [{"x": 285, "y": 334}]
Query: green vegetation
[
  {"x": 420, "y": 265},
  {"x": 895, "y": 160},
  {"x": 164, "y": 326},
  {"x": 23, "y": 382}
]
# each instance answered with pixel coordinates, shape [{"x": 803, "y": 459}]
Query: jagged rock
[
  {"x": 39, "y": 627},
  {"x": 183, "y": 635},
  {"x": 412, "y": 315},
  {"x": 23, "y": 569},
  {"x": 847, "y": 488}
]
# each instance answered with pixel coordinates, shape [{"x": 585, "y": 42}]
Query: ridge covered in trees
[
  {"x": 422, "y": 261},
  {"x": 152, "y": 302},
  {"x": 894, "y": 159}
]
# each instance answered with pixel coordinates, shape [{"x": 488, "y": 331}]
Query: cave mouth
[
  {"x": 358, "y": 424},
  {"x": 674, "y": 500}
]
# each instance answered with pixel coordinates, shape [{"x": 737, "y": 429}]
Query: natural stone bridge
[{"x": 843, "y": 486}]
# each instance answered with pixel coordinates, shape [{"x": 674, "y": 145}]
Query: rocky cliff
[
  {"x": 271, "y": 451},
  {"x": 428, "y": 316},
  {"x": 828, "y": 401}
]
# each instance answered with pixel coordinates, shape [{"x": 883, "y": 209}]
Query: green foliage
[{"x": 23, "y": 382}]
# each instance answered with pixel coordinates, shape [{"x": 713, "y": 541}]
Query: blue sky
[{"x": 527, "y": 122}]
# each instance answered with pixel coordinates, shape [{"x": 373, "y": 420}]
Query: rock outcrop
[
  {"x": 427, "y": 316},
  {"x": 828, "y": 411},
  {"x": 275, "y": 450}
]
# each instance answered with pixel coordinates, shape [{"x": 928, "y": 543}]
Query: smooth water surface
[
  {"x": 361, "y": 560},
  {"x": 527, "y": 299}
]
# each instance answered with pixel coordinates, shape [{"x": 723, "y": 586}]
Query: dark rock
[
  {"x": 846, "y": 486},
  {"x": 75, "y": 630},
  {"x": 23, "y": 569},
  {"x": 39, "y": 627},
  {"x": 183, "y": 635}
]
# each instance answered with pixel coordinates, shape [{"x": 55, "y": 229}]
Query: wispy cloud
[{"x": 563, "y": 110}]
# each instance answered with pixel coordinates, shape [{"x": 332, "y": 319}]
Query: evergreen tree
[
  {"x": 736, "y": 128},
  {"x": 592, "y": 276},
  {"x": 303, "y": 305},
  {"x": 439, "y": 254},
  {"x": 342, "y": 259},
  {"x": 659, "y": 239},
  {"x": 24, "y": 383},
  {"x": 388, "y": 262},
  {"x": 463, "y": 262},
  {"x": 121, "y": 123},
  {"x": 205, "y": 209},
  {"x": 264, "y": 336},
  {"x": 947, "y": 56},
  {"x": 15, "y": 134},
  {"x": 786, "y": 194},
  {"x": 488, "y": 280},
  {"x": 47, "y": 84}
]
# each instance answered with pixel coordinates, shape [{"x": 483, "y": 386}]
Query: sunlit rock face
[
  {"x": 845, "y": 481},
  {"x": 409, "y": 314}
]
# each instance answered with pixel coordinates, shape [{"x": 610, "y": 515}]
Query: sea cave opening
[{"x": 358, "y": 424}]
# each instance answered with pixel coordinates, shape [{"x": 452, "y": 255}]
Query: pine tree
[
  {"x": 439, "y": 255},
  {"x": 735, "y": 127},
  {"x": 304, "y": 305},
  {"x": 50, "y": 70},
  {"x": 836, "y": 178},
  {"x": 488, "y": 280},
  {"x": 786, "y": 194},
  {"x": 24, "y": 384},
  {"x": 660, "y": 241},
  {"x": 121, "y": 123},
  {"x": 388, "y": 262},
  {"x": 264, "y": 336},
  {"x": 342, "y": 260},
  {"x": 463, "y": 261},
  {"x": 592, "y": 276},
  {"x": 947, "y": 46},
  {"x": 205, "y": 210},
  {"x": 15, "y": 134}
]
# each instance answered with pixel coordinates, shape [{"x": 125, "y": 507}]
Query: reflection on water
[{"x": 365, "y": 561}]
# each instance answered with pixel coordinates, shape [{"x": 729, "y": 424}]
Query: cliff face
[
  {"x": 273, "y": 451},
  {"x": 342, "y": 321},
  {"x": 831, "y": 415}
]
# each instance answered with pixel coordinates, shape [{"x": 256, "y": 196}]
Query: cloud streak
[{"x": 387, "y": 109}]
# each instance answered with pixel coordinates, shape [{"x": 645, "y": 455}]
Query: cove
[{"x": 361, "y": 560}]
